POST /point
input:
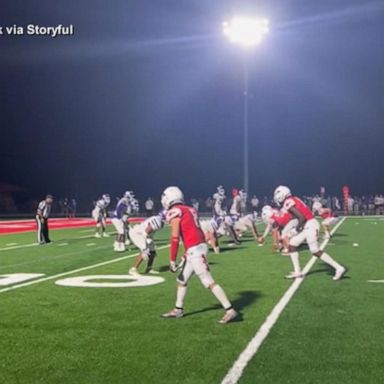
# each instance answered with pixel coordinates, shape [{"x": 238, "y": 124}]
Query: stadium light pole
[{"x": 247, "y": 33}]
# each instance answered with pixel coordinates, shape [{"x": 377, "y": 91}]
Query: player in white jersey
[
  {"x": 235, "y": 210},
  {"x": 142, "y": 237},
  {"x": 120, "y": 222},
  {"x": 218, "y": 202},
  {"x": 220, "y": 213},
  {"x": 210, "y": 228},
  {"x": 99, "y": 214},
  {"x": 247, "y": 223}
]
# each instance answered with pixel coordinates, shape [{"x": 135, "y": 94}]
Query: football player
[
  {"x": 185, "y": 225},
  {"x": 247, "y": 223},
  {"x": 210, "y": 228},
  {"x": 99, "y": 214},
  {"x": 218, "y": 202},
  {"x": 235, "y": 210},
  {"x": 120, "y": 222},
  {"x": 307, "y": 230},
  {"x": 328, "y": 218},
  {"x": 142, "y": 237},
  {"x": 281, "y": 225},
  {"x": 220, "y": 213}
]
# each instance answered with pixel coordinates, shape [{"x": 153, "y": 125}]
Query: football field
[{"x": 53, "y": 331}]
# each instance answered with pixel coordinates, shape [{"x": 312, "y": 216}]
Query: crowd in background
[{"x": 68, "y": 207}]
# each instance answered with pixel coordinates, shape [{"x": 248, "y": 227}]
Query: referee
[{"x": 42, "y": 215}]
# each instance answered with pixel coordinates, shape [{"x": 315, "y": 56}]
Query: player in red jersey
[
  {"x": 327, "y": 216},
  {"x": 185, "y": 225},
  {"x": 307, "y": 230},
  {"x": 281, "y": 225}
]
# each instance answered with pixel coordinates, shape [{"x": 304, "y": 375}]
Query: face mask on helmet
[{"x": 172, "y": 196}]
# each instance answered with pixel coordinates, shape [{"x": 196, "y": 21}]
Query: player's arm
[{"x": 174, "y": 242}]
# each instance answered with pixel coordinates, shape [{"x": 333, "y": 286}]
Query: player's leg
[
  {"x": 201, "y": 268},
  {"x": 46, "y": 231},
  {"x": 311, "y": 229},
  {"x": 139, "y": 240},
  {"x": 294, "y": 243},
  {"x": 151, "y": 257},
  {"x": 39, "y": 230},
  {"x": 181, "y": 290}
]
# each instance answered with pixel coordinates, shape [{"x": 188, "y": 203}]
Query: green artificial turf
[{"x": 55, "y": 334}]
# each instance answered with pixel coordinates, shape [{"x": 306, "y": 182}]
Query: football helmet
[
  {"x": 281, "y": 193},
  {"x": 221, "y": 190},
  {"x": 266, "y": 213},
  {"x": 106, "y": 198},
  {"x": 129, "y": 195},
  {"x": 172, "y": 196}
]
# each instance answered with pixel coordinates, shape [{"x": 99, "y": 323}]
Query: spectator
[
  {"x": 149, "y": 206},
  {"x": 254, "y": 203}
]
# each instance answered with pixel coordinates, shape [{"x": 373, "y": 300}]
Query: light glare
[{"x": 246, "y": 31}]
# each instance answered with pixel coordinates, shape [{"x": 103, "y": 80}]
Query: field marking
[
  {"x": 375, "y": 281},
  {"x": 90, "y": 244},
  {"x": 62, "y": 244},
  {"x": 35, "y": 244},
  {"x": 236, "y": 371},
  {"x": 19, "y": 246},
  {"x": 50, "y": 257},
  {"x": 75, "y": 271},
  {"x": 11, "y": 244}
]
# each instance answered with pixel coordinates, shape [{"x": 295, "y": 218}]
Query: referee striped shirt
[{"x": 44, "y": 209}]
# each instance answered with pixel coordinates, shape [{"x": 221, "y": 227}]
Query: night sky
[{"x": 148, "y": 93}]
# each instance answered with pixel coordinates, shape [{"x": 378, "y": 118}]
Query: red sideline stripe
[{"x": 19, "y": 226}]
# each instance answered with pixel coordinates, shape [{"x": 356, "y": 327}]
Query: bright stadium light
[{"x": 246, "y": 31}]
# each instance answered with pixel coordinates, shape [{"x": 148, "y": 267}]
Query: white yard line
[
  {"x": 35, "y": 244},
  {"x": 253, "y": 346},
  {"x": 16, "y": 286}
]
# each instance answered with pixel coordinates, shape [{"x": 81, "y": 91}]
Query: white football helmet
[
  {"x": 281, "y": 193},
  {"x": 316, "y": 206},
  {"x": 221, "y": 190},
  {"x": 266, "y": 213},
  {"x": 129, "y": 195},
  {"x": 106, "y": 198},
  {"x": 171, "y": 196}
]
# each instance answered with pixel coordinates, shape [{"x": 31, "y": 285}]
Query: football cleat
[
  {"x": 294, "y": 275},
  {"x": 229, "y": 315},
  {"x": 105, "y": 234},
  {"x": 133, "y": 271},
  {"x": 339, "y": 273},
  {"x": 97, "y": 235},
  {"x": 175, "y": 313},
  {"x": 152, "y": 271}
]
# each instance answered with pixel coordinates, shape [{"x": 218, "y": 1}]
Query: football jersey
[
  {"x": 236, "y": 206},
  {"x": 293, "y": 201},
  {"x": 218, "y": 204},
  {"x": 101, "y": 204},
  {"x": 190, "y": 231},
  {"x": 281, "y": 219},
  {"x": 121, "y": 209},
  {"x": 155, "y": 222}
]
